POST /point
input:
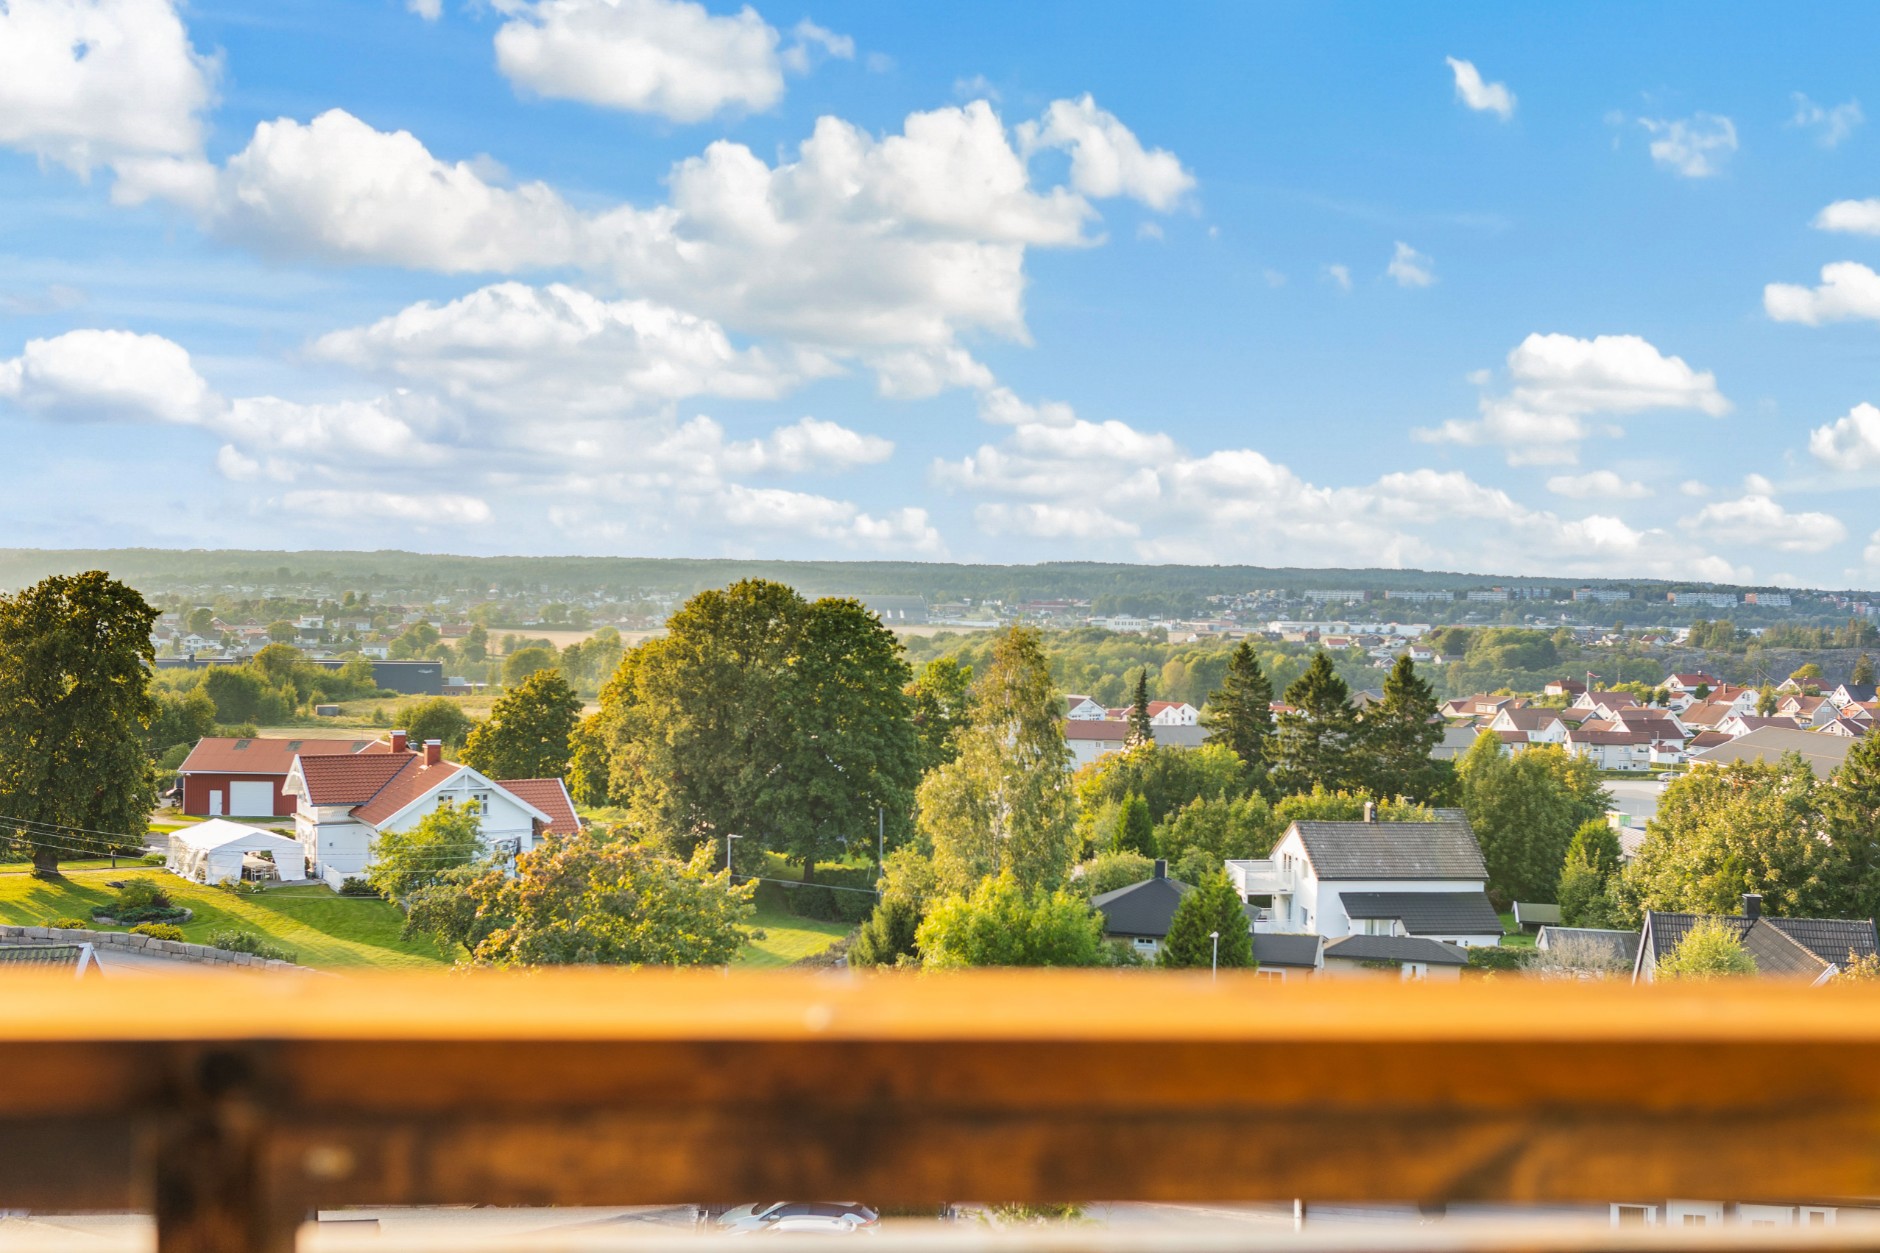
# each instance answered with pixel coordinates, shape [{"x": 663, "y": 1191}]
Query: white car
[
  {"x": 850, "y": 1215},
  {"x": 811, "y": 1225}
]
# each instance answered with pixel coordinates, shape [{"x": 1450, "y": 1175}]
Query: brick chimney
[
  {"x": 1370, "y": 811},
  {"x": 1752, "y": 905},
  {"x": 399, "y": 742},
  {"x": 433, "y": 752}
]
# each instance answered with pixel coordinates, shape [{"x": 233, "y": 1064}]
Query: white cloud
[
  {"x": 762, "y": 509},
  {"x": 812, "y": 41},
  {"x": 1482, "y": 97},
  {"x": 91, "y": 82},
  {"x": 1597, "y": 485},
  {"x": 857, "y": 246},
  {"x": 1872, "y": 554},
  {"x": 1850, "y": 217},
  {"x": 92, "y": 375},
  {"x": 1410, "y": 268},
  {"x": 350, "y": 508},
  {"x": 1757, "y": 520},
  {"x": 1830, "y": 125},
  {"x": 805, "y": 446},
  {"x": 1107, "y": 159},
  {"x": 1695, "y": 146},
  {"x": 1340, "y": 275},
  {"x": 1558, "y": 382},
  {"x": 1848, "y": 290},
  {"x": 523, "y": 350},
  {"x": 1237, "y": 504},
  {"x": 667, "y": 57},
  {"x": 338, "y": 188},
  {"x": 429, "y": 10},
  {"x": 1851, "y": 442}
]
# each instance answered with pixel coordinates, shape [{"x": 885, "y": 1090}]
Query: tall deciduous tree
[
  {"x": 1850, "y": 805},
  {"x": 1525, "y": 809},
  {"x": 1312, "y": 743},
  {"x": 75, "y": 713},
  {"x": 1863, "y": 672},
  {"x": 760, "y": 715},
  {"x": 1748, "y": 827},
  {"x": 1135, "y": 829},
  {"x": 1240, "y": 710},
  {"x": 530, "y": 731},
  {"x": 938, "y": 699},
  {"x": 1004, "y": 804},
  {"x": 1212, "y": 909},
  {"x": 1141, "y": 729},
  {"x": 1399, "y": 734}
]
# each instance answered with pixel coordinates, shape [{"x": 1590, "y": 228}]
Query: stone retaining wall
[{"x": 175, "y": 950}]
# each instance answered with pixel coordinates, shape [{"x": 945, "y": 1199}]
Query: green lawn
[
  {"x": 787, "y": 938},
  {"x": 322, "y": 928}
]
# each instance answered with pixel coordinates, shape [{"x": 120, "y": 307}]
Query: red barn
[{"x": 243, "y": 778}]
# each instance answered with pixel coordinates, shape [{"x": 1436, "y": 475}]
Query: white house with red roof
[
  {"x": 1691, "y": 682},
  {"x": 343, "y": 803}
]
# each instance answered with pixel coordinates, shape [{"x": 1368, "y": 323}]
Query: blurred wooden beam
[{"x": 611, "y": 1088}]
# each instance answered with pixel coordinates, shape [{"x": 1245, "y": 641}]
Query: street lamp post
[
  {"x": 881, "y": 838},
  {"x": 1214, "y": 971},
  {"x": 728, "y": 838}
]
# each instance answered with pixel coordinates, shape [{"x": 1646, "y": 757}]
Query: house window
[{"x": 1635, "y": 1215}]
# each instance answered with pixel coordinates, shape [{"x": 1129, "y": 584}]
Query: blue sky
[{"x": 1579, "y": 291}]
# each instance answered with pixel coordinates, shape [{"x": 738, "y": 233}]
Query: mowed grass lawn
[
  {"x": 322, "y": 928},
  {"x": 787, "y": 938}
]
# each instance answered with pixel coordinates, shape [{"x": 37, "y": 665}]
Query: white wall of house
[
  {"x": 1304, "y": 903},
  {"x": 339, "y": 847},
  {"x": 1182, "y": 715}
]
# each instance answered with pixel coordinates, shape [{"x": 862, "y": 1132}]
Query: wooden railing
[{"x": 230, "y": 1108}]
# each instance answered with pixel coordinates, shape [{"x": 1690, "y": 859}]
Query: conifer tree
[
  {"x": 1141, "y": 730},
  {"x": 1135, "y": 829},
  {"x": 1213, "y": 906},
  {"x": 1311, "y": 745},
  {"x": 1240, "y": 710},
  {"x": 1399, "y": 733},
  {"x": 1863, "y": 672}
]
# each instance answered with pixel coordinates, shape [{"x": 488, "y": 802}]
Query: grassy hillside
[
  {"x": 323, "y": 929},
  {"x": 787, "y": 938}
]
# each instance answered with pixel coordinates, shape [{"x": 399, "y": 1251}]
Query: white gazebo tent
[{"x": 212, "y": 851}]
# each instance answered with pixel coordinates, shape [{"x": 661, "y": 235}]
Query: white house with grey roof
[{"x": 1421, "y": 879}]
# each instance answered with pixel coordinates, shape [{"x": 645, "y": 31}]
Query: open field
[
  {"x": 787, "y": 939},
  {"x": 322, "y": 928}
]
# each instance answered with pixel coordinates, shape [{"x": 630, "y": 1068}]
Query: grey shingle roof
[
  {"x": 1780, "y": 946},
  {"x": 1620, "y": 945},
  {"x": 1428, "y": 913},
  {"x": 1144, "y": 909},
  {"x": 1396, "y": 948},
  {"x": 1271, "y": 948},
  {"x": 41, "y": 954},
  {"x": 1444, "y": 849},
  {"x": 1823, "y": 753}
]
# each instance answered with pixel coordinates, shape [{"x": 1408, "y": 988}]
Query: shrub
[
  {"x": 155, "y": 859},
  {"x": 352, "y": 885},
  {"x": 249, "y": 942},
  {"x": 69, "y": 924},
  {"x": 158, "y": 930},
  {"x": 829, "y": 904},
  {"x": 888, "y": 935},
  {"x": 139, "y": 894},
  {"x": 1499, "y": 958},
  {"x": 1709, "y": 950}
]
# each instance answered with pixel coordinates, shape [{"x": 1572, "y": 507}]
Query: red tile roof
[
  {"x": 411, "y": 782},
  {"x": 259, "y": 755},
  {"x": 351, "y": 780},
  {"x": 1093, "y": 729},
  {"x": 551, "y": 797}
]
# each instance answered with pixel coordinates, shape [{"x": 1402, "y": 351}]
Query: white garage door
[{"x": 250, "y": 800}]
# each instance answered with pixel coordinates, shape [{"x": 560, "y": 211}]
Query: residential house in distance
[
  {"x": 1519, "y": 728},
  {"x": 1812, "y": 950},
  {"x": 1691, "y": 682},
  {"x": 1852, "y": 694},
  {"x": 1400, "y": 957},
  {"x": 1282, "y": 956},
  {"x": 343, "y": 803},
  {"x": 246, "y": 778},
  {"x": 1564, "y": 687},
  {"x": 1335, "y": 879},
  {"x": 1142, "y": 912},
  {"x": 1083, "y": 709},
  {"x": 1482, "y": 705},
  {"x": 1823, "y": 753}
]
